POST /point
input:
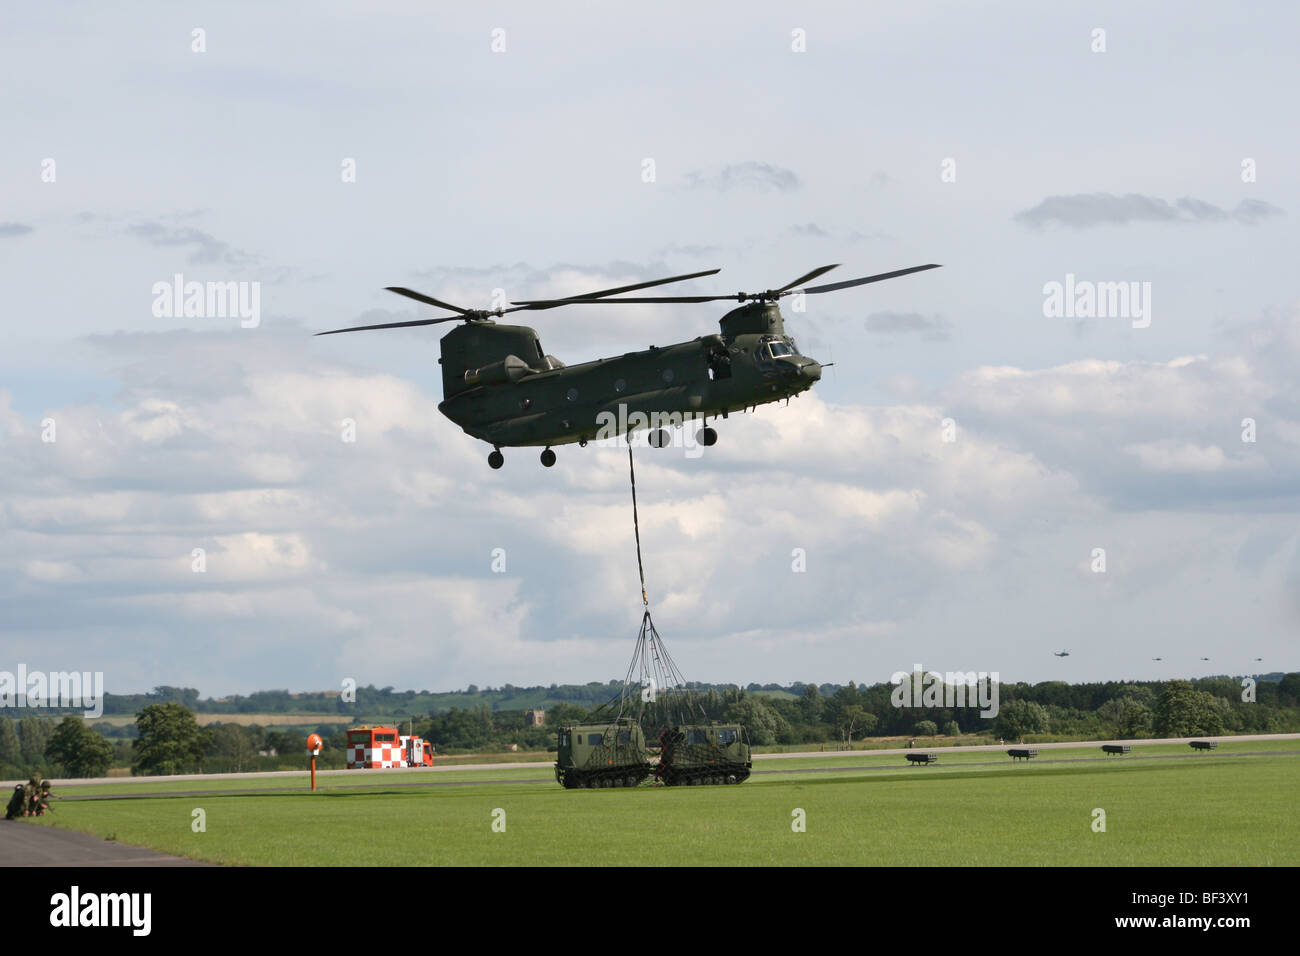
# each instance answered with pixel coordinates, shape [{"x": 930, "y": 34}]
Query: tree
[
  {"x": 854, "y": 717},
  {"x": 563, "y": 714},
  {"x": 951, "y": 729},
  {"x": 1125, "y": 717},
  {"x": 927, "y": 728},
  {"x": 34, "y": 734},
  {"x": 761, "y": 722},
  {"x": 185, "y": 696},
  {"x": 11, "y": 751},
  {"x": 1019, "y": 717},
  {"x": 170, "y": 740},
  {"x": 810, "y": 704},
  {"x": 231, "y": 744},
  {"x": 1183, "y": 711},
  {"x": 82, "y": 751}
]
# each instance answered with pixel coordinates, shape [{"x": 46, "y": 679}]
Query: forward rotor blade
[
  {"x": 426, "y": 299},
  {"x": 808, "y": 278},
  {"x": 831, "y": 287},
  {"x": 394, "y": 325}
]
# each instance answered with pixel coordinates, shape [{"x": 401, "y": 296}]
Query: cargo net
[{"x": 654, "y": 692}]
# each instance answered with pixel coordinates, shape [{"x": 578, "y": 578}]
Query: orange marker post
[{"x": 314, "y": 744}]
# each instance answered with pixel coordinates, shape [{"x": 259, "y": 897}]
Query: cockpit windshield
[{"x": 780, "y": 348}]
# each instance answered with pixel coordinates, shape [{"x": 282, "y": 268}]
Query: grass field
[{"x": 1233, "y": 807}]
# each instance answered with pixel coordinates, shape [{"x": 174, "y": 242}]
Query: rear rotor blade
[
  {"x": 394, "y": 325},
  {"x": 808, "y": 278},
  {"x": 548, "y": 303},
  {"x": 831, "y": 287},
  {"x": 426, "y": 299},
  {"x": 596, "y": 296},
  {"x": 586, "y": 296}
]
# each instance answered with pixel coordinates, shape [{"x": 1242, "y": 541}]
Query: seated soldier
[{"x": 43, "y": 799}]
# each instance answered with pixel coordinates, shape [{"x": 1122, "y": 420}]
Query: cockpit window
[{"x": 780, "y": 348}]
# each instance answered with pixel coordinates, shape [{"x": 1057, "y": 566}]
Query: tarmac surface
[{"x": 22, "y": 844}]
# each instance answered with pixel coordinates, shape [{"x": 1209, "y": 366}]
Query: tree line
[{"x": 167, "y": 739}]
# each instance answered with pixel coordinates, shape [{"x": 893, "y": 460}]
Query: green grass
[{"x": 1213, "y": 809}]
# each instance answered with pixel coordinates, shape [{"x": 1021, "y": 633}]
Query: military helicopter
[
  {"x": 1060, "y": 653},
  {"x": 501, "y": 388}
]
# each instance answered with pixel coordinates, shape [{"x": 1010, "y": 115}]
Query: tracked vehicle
[
  {"x": 699, "y": 754},
  {"x": 606, "y": 754}
]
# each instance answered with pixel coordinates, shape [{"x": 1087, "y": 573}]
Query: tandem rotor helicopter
[{"x": 501, "y": 388}]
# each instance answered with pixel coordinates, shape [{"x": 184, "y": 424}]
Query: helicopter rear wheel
[
  {"x": 659, "y": 438},
  {"x": 496, "y": 459},
  {"x": 708, "y": 436},
  {"x": 548, "y": 458}
]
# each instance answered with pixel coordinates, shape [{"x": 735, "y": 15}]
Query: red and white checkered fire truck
[{"x": 379, "y": 748}]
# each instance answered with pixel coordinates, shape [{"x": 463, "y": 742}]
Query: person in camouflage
[
  {"x": 33, "y": 790},
  {"x": 42, "y": 801}
]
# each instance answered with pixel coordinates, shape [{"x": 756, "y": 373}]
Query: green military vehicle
[
  {"x": 698, "y": 754},
  {"x": 610, "y": 754}
]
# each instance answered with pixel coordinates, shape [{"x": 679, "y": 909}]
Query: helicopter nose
[{"x": 812, "y": 371}]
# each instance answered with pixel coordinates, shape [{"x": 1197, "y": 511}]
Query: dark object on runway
[
  {"x": 500, "y": 387},
  {"x": 1205, "y": 744},
  {"x": 1026, "y": 753},
  {"x": 922, "y": 758},
  {"x": 1115, "y": 748}
]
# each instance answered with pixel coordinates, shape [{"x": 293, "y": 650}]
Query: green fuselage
[{"x": 501, "y": 388}]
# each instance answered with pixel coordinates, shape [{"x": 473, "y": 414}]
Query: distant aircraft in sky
[
  {"x": 1060, "y": 653},
  {"x": 1157, "y": 658},
  {"x": 1205, "y": 658}
]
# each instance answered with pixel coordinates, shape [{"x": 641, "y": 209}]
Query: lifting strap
[{"x": 636, "y": 526}]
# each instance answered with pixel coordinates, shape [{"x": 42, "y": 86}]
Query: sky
[{"x": 979, "y": 481}]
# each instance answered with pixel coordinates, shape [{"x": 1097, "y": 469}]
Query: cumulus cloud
[
  {"x": 761, "y": 177},
  {"x": 1084, "y": 210},
  {"x": 204, "y": 248},
  {"x": 1150, "y": 434},
  {"x": 9, "y": 229}
]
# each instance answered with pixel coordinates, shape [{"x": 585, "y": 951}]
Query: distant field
[
  {"x": 245, "y": 720},
  {"x": 1163, "y": 806}
]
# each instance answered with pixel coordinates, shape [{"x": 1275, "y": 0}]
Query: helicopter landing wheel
[
  {"x": 659, "y": 439},
  {"x": 496, "y": 459},
  {"x": 708, "y": 436},
  {"x": 548, "y": 458}
]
